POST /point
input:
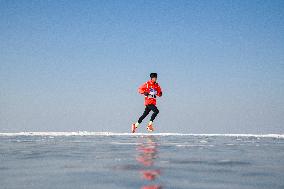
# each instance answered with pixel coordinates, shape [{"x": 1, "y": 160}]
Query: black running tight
[{"x": 147, "y": 110}]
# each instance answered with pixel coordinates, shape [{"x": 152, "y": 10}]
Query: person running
[{"x": 150, "y": 90}]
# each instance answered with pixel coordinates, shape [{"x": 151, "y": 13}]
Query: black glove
[
  {"x": 161, "y": 93},
  {"x": 146, "y": 93}
]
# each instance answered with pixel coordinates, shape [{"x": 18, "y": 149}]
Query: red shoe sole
[
  {"x": 133, "y": 128},
  {"x": 150, "y": 129}
]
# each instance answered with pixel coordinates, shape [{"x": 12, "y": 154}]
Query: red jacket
[{"x": 153, "y": 89}]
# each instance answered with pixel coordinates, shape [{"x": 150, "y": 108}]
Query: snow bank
[{"x": 87, "y": 133}]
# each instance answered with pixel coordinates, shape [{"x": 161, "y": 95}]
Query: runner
[{"x": 150, "y": 90}]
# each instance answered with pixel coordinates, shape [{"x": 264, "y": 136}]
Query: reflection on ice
[{"x": 147, "y": 155}]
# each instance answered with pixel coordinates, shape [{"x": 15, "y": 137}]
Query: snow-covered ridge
[{"x": 87, "y": 133}]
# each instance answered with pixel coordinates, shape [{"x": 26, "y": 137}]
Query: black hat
[{"x": 153, "y": 75}]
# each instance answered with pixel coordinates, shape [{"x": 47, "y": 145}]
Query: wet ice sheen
[{"x": 112, "y": 160}]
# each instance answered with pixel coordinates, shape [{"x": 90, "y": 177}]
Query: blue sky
[{"x": 76, "y": 65}]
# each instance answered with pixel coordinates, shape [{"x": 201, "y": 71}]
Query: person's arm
[
  {"x": 143, "y": 89},
  {"x": 159, "y": 91}
]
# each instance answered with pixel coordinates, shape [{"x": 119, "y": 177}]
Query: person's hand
[
  {"x": 146, "y": 93},
  {"x": 161, "y": 93}
]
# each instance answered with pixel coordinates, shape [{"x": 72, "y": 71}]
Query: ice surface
[{"x": 71, "y": 160}]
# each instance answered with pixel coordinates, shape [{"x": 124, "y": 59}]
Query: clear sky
[{"x": 76, "y": 65}]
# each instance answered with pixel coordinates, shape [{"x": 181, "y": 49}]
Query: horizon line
[{"x": 91, "y": 133}]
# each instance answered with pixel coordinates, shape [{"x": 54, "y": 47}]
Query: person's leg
[
  {"x": 155, "y": 110},
  {"x": 146, "y": 112}
]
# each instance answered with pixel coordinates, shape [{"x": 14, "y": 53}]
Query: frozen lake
[{"x": 121, "y": 160}]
